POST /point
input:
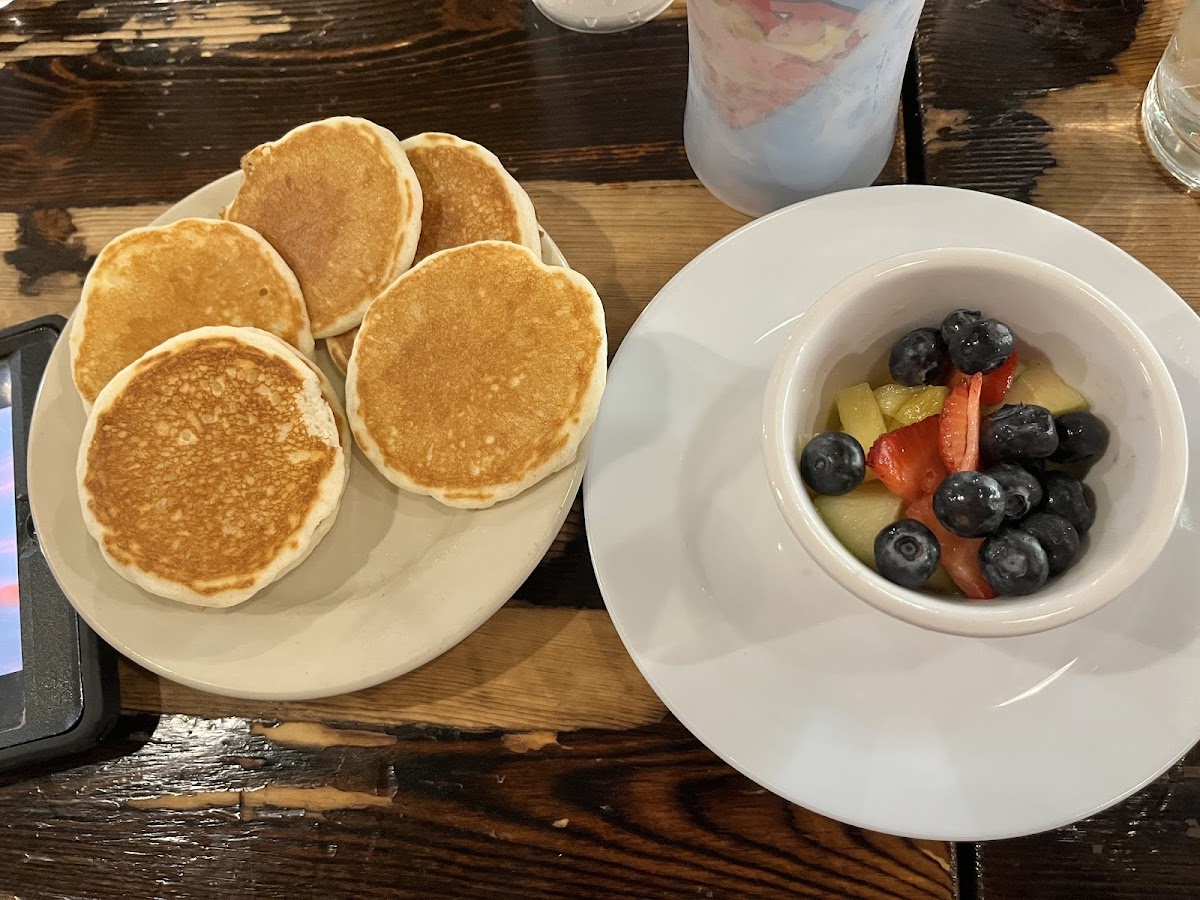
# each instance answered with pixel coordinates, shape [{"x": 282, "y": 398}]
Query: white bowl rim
[{"x": 1003, "y": 617}]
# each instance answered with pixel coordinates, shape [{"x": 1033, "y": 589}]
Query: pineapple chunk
[
  {"x": 857, "y": 517},
  {"x": 927, "y": 403},
  {"x": 891, "y": 397},
  {"x": 1040, "y": 385},
  {"x": 940, "y": 582},
  {"x": 860, "y": 415}
]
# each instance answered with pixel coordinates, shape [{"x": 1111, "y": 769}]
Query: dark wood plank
[
  {"x": 1040, "y": 101},
  {"x": 138, "y": 101},
  {"x": 220, "y": 808},
  {"x": 1142, "y": 849},
  {"x": 981, "y": 67}
]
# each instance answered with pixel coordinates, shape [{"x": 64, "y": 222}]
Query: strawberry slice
[
  {"x": 960, "y": 556},
  {"x": 995, "y": 384},
  {"x": 959, "y": 426},
  {"x": 908, "y": 460}
]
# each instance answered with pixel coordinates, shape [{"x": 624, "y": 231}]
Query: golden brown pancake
[
  {"x": 209, "y": 465},
  {"x": 339, "y": 201},
  {"x": 340, "y": 346},
  {"x": 467, "y": 196},
  {"x": 151, "y": 284},
  {"x": 477, "y": 373}
]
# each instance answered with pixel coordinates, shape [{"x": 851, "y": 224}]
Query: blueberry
[
  {"x": 919, "y": 358},
  {"x": 1018, "y": 432},
  {"x": 1058, "y": 538},
  {"x": 907, "y": 553},
  {"x": 1089, "y": 498},
  {"x": 970, "y": 504},
  {"x": 953, "y": 324},
  {"x": 1022, "y": 489},
  {"x": 981, "y": 346},
  {"x": 1082, "y": 437},
  {"x": 833, "y": 463},
  {"x": 1035, "y": 467},
  {"x": 1067, "y": 497},
  {"x": 1013, "y": 562}
]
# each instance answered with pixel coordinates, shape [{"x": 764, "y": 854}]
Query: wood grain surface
[
  {"x": 1039, "y": 100},
  {"x": 221, "y": 807},
  {"x": 1144, "y": 848},
  {"x": 525, "y": 669},
  {"x": 1058, "y": 123},
  {"x": 134, "y": 101},
  {"x": 629, "y": 239}
]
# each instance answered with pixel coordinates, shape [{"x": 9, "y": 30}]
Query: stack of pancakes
[{"x": 216, "y": 452}]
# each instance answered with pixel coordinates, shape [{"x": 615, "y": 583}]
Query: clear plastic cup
[
  {"x": 600, "y": 16},
  {"x": 788, "y": 99}
]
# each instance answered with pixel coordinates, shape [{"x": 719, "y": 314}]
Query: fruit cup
[{"x": 845, "y": 339}]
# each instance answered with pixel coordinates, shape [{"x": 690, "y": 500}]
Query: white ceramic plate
[
  {"x": 792, "y": 680},
  {"x": 397, "y": 581}
]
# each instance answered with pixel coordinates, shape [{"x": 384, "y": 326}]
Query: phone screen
[{"x": 10, "y": 594}]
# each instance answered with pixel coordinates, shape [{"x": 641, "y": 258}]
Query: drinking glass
[{"x": 1171, "y": 106}]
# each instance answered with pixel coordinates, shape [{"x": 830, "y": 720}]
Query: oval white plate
[
  {"x": 399, "y": 579},
  {"x": 791, "y": 679}
]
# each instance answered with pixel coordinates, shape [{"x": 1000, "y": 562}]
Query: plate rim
[
  {"x": 482, "y": 614},
  {"x": 645, "y": 321}
]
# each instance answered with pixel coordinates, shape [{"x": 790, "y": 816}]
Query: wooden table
[{"x": 532, "y": 760}]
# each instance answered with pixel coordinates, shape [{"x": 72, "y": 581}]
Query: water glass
[{"x": 1171, "y": 106}]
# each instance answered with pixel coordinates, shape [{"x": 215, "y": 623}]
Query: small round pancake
[
  {"x": 477, "y": 373},
  {"x": 340, "y": 346},
  {"x": 467, "y": 196},
  {"x": 211, "y": 465},
  {"x": 339, "y": 201},
  {"x": 151, "y": 284}
]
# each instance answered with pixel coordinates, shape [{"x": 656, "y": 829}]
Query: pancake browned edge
[
  {"x": 339, "y": 201},
  {"x": 477, "y": 373},
  {"x": 151, "y": 284},
  {"x": 343, "y": 427},
  {"x": 467, "y": 196},
  {"x": 209, "y": 466}
]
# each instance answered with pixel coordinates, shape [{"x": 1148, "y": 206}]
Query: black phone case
[{"x": 32, "y": 342}]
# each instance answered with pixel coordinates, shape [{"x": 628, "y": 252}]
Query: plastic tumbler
[{"x": 788, "y": 99}]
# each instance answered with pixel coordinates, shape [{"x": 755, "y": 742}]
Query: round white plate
[
  {"x": 398, "y": 580},
  {"x": 791, "y": 679}
]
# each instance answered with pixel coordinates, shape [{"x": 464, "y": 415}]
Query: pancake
[
  {"x": 477, "y": 373},
  {"x": 467, "y": 196},
  {"x": 339, "y": 201},
  {"x": 340, "y": 346},
  {"x": 211, "y": 466},
  {"x": 151, "y": 284}
]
